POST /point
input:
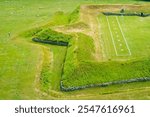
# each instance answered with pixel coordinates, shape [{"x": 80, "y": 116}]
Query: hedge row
[
  {"x": 126, "y": 14},
  {"x": 103, "y": 84}
]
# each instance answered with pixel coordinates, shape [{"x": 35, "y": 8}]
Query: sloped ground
[
  {"x": 86, "y": 63},
  {"x": 102, "y": 69},
  {"x": 26, "y": 57}
]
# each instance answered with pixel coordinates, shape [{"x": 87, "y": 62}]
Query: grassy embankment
[
  {"x": 82, "y": 72},
  {"x": 20, "y": 57}
]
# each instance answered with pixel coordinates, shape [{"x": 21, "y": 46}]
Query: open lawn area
[{"x": 84, "y": 54}]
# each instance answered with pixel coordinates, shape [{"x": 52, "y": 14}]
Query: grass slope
[
  {"x": 81, "y": 72},
  {"x": 20, "y": 58}
]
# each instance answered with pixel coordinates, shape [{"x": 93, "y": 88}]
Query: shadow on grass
[{"x": 144, "y": 0}]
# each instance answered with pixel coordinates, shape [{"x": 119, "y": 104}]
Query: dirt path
[
  {"x": 90, "y": 18},
  {"x": 51, "y": 59},
  {"x": 43, "y": 55},
  {"x": 37, "y": 76},
  {"x": 96, "y": 39}
]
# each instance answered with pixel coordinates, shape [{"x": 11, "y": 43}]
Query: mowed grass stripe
[
  {"x": 112, "y": 36},
  {"x": 123, "y": 36},
  {"x": 118, "y": 38},
  {"x": 120, "y": 44}
]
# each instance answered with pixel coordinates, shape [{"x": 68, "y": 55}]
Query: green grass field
[
  {"x": 30, "y": 70},
  {"x": 133, "y": 33}
]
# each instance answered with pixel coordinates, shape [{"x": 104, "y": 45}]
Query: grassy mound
[
  {"x": 80, "y": 67},
  {"x": 48, "y": 34},
  {"x": 88, "y": 73},
  {"x": 81, "y": 70},
  {"x": 75, "y": 54},
  {"x": 74, "y": 16}
]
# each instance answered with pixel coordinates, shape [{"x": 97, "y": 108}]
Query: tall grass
[
  {"x": 48, "y": 34},
  {"x": 88, "y": 73}
]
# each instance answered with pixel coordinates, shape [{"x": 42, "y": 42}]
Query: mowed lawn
[
  {"x": 19, "y": 57},
  {"x": 130, "y": 40},
  {"x": 118, "y": 38}
]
